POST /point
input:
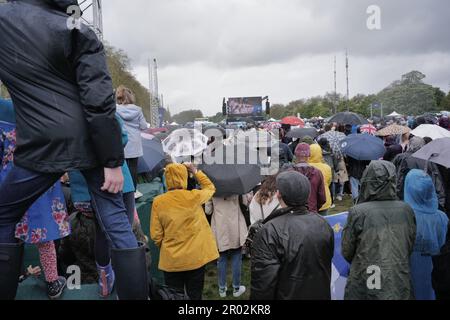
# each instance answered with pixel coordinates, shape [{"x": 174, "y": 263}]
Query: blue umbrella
[
  {"x": 363, "y": 147},
  {"x": 154, "y": 157}
]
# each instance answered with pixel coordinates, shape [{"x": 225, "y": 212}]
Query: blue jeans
[
  {"x": 236, "y": 264},
  {"x": 340, "y": 189},
  {"x": 22, "y": 187},
  {"x": 102, "y": 244},
  {"x": 355, "y": 184}
]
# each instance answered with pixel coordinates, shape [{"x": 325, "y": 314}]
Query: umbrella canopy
[
  {"x": 363, "y": 147},
  {"x": 393, "y": 130},
  {"x": 233, "y": 179},
  {"x": 430, "y": 130},
  {"x": 185, "y": 143},
  {"x": 369, "y": 129},
  {"x": 214, "y": 131},
  {"x": 153, "y": 158},
  {"x": 293, "y": 121},
  {"x": 394, "y": 115},
  {"x": 303, "y": 132},
  {"x": 437, "y": 151},
  {"x": 348, "y": 118},
  {"x": 161, "y": 136},
  {"x": 334, "y": 138}
]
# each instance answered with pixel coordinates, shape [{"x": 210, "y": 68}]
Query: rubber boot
[
  {"x": 131, "y": 273},
  {"x": 106, "y": 279},
  {"x": 11, "y": 256}
]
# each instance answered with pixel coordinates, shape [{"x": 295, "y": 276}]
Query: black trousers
[
  {"x": 193, "y": 281},
  {"x": 133, "y": 166}
]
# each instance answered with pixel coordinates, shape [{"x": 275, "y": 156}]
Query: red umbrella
[
  {"x": 368, "y": 128},
  {"x": 293, "y": 121}
]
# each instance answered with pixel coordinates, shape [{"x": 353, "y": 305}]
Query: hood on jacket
[
  {"x": 176, "y": 177},
  {"x": 415, "y": 144},
  {"x": 420, "y": 194},
  {"x": 378, "y": 182},
  {"x": 316, "y": 154},
  {"x": 129, "y": 112},
  {"x": 62, "y": 4}
]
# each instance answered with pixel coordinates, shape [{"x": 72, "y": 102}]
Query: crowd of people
[{"x": 68, "y": 183}]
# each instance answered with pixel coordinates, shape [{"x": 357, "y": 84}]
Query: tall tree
[
  {"x": 187, "y": 116},
  {"x": 410, "y": 95}
]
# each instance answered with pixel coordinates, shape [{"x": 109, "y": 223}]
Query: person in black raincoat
[
  {"x": 378, "y": 239},
  {"x": 56, "y": 74},
  {"x": 292, "y": 253}
]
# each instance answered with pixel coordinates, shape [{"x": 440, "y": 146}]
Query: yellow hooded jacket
[
  {"x": 178, "y": 223},
  {"x": 316, "y": 160}
]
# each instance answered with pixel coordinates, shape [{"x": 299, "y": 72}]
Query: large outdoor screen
[{"x": 245, "y": 106}]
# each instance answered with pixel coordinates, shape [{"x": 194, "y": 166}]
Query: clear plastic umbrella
[{"x": 185, "y": 143}]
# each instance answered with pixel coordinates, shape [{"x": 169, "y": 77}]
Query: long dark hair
[{"x": 267, "y": 191}]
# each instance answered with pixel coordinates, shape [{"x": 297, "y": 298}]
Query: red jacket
[{"x": 318, "y": 197}]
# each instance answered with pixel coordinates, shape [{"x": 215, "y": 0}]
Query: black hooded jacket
[
  {"x": 292, "y": 256},
  {"x": 61, "y": 89}
]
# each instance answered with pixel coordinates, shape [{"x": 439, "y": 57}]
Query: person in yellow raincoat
[
  {"x": 316, "y": 160},
  {"x": 180, "y": 229}
]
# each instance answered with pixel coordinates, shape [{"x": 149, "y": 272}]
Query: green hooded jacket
[{"x": 379, "y": 238}]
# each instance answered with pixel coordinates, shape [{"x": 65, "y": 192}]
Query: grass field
[{"x": 211, "y": 290}]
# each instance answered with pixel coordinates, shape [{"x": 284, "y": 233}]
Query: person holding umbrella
[{"x": 180, "y": 229}]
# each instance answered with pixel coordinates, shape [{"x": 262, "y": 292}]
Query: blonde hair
[{"x": 125, "y": 95}]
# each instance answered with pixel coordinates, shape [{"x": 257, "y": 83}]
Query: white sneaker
[
  {"x": 240, "y": 292},
  {"x": 339, "y": 198},
  {"x": 333, "y": 206},
  {"x": 137, "y": 194},
  {"x": 223, "y": 293}
]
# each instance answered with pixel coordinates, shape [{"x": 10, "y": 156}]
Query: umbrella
[
  {"x": 185, "y": 143},
  {"x": 293, "y": 121},
  {"x": 334, "y": 138},
  {"x": 393, "y": 130},
  {"x": 233, "y": 179},
  {"x": 161, "y": 136},
  {"x": 369, "y": 129},
  {"x": 348, "y": 118},
  {"x": 214, "y": 131},
  {"x": 437, "y": 151},
  {"x": 340, "y": 267},
  {"x": 430, "y": 130},
  {"x": 303, "y": 132},
  {"x": 154, "y": 158},
  {"x": 363, "y": 147}
]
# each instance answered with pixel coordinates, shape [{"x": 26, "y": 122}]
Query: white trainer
[{"x": 240, "y": 292}]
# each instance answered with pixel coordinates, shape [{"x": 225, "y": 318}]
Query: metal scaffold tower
[
  {"x": 93, "y": 15},
  {"x": 155, "y": 101}
]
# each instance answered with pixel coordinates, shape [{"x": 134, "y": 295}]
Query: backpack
[{"x": 253, "y": 231}]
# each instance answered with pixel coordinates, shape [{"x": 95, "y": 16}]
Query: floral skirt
[{"x": 46, "y": 220}]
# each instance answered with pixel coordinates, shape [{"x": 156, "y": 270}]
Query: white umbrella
[
  {"x": 185, "y": 143},
  {"x": 394, "y": 114},
  {"x": 431, "y": 131}
]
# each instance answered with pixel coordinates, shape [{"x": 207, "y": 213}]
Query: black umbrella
[
  {"x": 233, "y": 179},
  {"x": 154, "y": 157},
  {"x": 348, "y": 118},
  {"x": 303, "y": 132},
  {"x": 437, "y": 151}
]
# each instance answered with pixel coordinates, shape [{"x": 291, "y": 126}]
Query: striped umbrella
[{"x": 369, "y": 129}]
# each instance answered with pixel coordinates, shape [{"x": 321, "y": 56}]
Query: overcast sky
[{"x": 210, "y": 49}]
